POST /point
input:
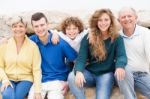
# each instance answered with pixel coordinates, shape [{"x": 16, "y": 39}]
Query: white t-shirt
[
  {"x": 138, "y": 49},
  {"x": 75, "y": 44}
]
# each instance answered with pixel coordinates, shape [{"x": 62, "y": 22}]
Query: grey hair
[
  {"x": 17, "y": 19},
  {"x": 127, "y": 8}
]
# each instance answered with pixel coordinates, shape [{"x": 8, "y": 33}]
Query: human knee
[
  {"x": 71, "y": 77},
  {"x": 31, "y": 95},
  {"x": 55, "y": 96},
  {"x": 127, "y": 80},
  {"x": 6, "y": 95}
]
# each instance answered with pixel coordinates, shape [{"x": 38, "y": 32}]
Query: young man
[
  {"x": 136, "y": 39},
  {"x": 54, "y": 69}
]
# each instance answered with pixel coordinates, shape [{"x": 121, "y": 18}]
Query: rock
[
  {"x": 90, "y": 94},
  {"x": 144, "y": 18},
  {"x": 4, "y": 29},
  {"x": 55, "y": 17}
]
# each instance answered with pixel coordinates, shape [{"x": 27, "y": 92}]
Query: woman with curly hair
[{"x": 104, "y": 48}]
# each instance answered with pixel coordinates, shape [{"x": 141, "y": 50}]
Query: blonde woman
[
  {"x": 20, "y": 62},
  {"x": 105, "y": 50}
]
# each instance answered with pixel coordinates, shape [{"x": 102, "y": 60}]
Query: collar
[
  {"x": 13, "y": 40},
  {"x": 37, "y": 40},
  {"x": 135, "y": 33},
  {"x": 12, "y": 43}
]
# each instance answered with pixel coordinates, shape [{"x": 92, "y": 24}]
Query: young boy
[{"x": 72, "y": 31}]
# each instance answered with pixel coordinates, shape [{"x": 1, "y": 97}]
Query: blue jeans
[
  {"x": 103, "y": 83},
  {"x": 139, "y": 81},
  {"x": 19, "y": 90}
]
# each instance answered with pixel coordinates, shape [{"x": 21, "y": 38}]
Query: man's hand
[
  {"x": 65, "y": 87},
  {"x": 37, "y": 96},
  {"x": 120, "y": 73}
]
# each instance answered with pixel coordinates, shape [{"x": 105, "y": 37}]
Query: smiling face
[
  {"x": 104, "y": 22},
  {"x": 40, "y": 27},
  {"x": 72, "y": 31},
  {"x": 71, "y": 27},
  {"x": 19, "y": 30},
  {"x": 127, "y": 18}
]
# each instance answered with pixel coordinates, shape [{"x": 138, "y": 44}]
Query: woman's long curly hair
[{"x": 95, "y": 35}]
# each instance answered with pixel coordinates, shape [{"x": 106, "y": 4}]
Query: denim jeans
[
  {"x": 103, "y": 83},
  {"x": 19, "y": 90},
  {"x": 139, "y": 81}
]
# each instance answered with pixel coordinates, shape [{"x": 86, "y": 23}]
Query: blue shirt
[{"x": 53, "y": 58}]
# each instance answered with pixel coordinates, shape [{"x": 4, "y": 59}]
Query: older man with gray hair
[{"x": 137, "y": 45}]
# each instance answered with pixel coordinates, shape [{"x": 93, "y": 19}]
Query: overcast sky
[{"x": 13, "y": 6}]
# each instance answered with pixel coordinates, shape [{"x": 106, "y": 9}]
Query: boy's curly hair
[{"x": 71, "y": 20}]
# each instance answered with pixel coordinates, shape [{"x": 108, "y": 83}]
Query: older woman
[
  {"x": 105, "y": 50},
  {"x": 20, "y": 62}
]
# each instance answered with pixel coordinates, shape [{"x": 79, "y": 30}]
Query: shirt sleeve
[
  {"x": 146, "y": 42},
  {"x": 82, "y": 34},
  {"x": 37, "y": 70},
  {"x": 82, "y": 56},
  {"x": 33, "y": 38},
  {"x": 70, "y": 53},
  {"x": 3, "y": 75},
  {"x": 121, "y": 58},
  {"x": 64, "y": 37}
]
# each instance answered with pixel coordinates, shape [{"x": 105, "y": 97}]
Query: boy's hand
[{"x": 55, "y": 37}]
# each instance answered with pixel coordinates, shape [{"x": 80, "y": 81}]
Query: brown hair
[
  {"x": 37, "y": 16},
  {"x": 95, "y": 36},
  {"x": 71, "y": 20}
]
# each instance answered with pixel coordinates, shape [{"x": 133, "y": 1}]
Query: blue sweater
[{"x": 53, "y": 58}]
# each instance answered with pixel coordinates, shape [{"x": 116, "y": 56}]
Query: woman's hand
[
  {"x": 79, "y": 79},
  {"x": 5, "y": 85},
  {"x": 120, "y": 73}
]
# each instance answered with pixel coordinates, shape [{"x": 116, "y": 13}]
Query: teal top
[{"x": 116, "y": 57}]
